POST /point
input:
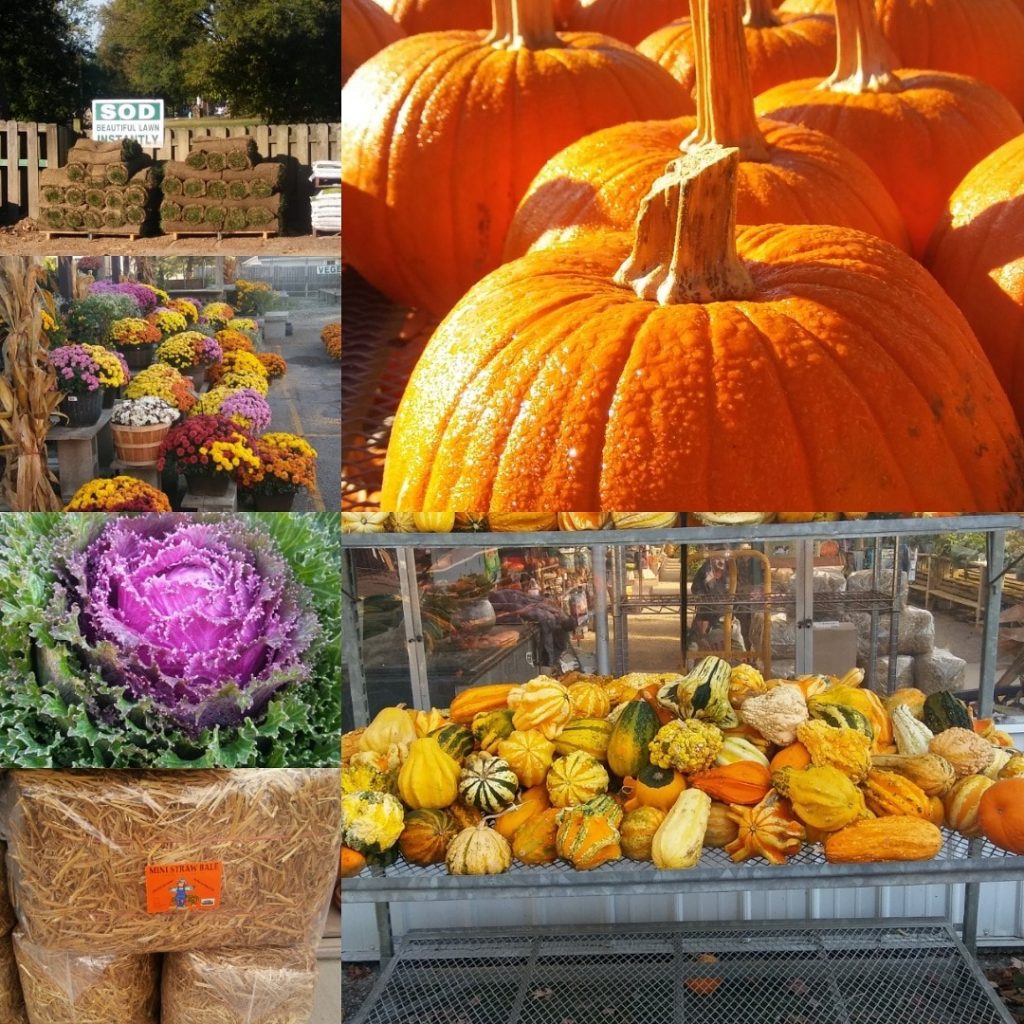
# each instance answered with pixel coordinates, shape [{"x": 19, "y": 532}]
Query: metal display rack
[{"x": 891, "y": 959}]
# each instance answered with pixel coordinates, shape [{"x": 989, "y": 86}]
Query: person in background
[{"x": 709, "y": 582}]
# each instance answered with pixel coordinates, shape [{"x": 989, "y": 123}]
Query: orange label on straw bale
[{"x": 173, "y": 888}]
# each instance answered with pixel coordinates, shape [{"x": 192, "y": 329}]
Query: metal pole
[
  {"x": 684, "y": 596},
  {"x": 873, "y": 633},
  {"x": 413, "y": 622},
  {"x": 385, "y": 938},
  {"x": 620, "y": 614},
  {"x": 350, "y": 643},
  {"x": 894, "y": 620},
  {"x": 600, "y": 554},
  {"x": 804, "y": 607}
]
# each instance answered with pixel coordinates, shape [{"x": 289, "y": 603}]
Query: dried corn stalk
[
  {"x": 79, "y": 843},
  {"x": 239, "y": 986},
  {"x": 27, "y": 392},
  {"x": 61, "y": 988}
]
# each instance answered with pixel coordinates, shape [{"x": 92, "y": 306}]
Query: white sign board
[
  {"x": 142, "y": 120},
  {"x": 329, "y": 268}
]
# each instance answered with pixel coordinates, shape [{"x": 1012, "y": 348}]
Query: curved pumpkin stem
[
  {"x": 760, "y": 14},
  {"x": 864, "y": 60},
  {"x": 523, "y": 25},
  {"x": 685, "y": 244},
  {"x": 725, "y": 100}
]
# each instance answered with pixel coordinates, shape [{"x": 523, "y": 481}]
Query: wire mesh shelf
[
  {"x": 900, "y": 972},
  {"x": 959, "y": 860}
]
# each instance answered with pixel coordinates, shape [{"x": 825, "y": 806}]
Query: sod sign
[{"x": 141, "y": 120}]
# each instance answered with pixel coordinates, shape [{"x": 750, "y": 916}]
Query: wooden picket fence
[{"x": 26, "y": 149}]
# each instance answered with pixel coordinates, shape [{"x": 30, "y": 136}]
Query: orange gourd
[
  {"x": 975, "y": 253},
  {"x": 427, "y": 834},
  {"x": 980, "y": 38},
  {"x": 350, "y": 863},
  {"x": 743, "y": 782},
  {"x": 552, "y": 374},
  {"x": 888, "y": 793},
  {"x": 625, "y": 20},
  {"x": 438, "y": 15},
  {"x": 788, "y": 174},
  {"x": 963, "y": 804},
  {"x": 365, "y": 30},
  {"x": 530, "y": 803},
  {"x": 472, "y": 701},
  {"x": 583, "y": 520},
  {"x": 868, "y": 102},
  {"x": 589, "y": 700},
  {"x": 767, "y": 830},
  {"x": 1001, "y": 814},
  {"x": 523, "y": 522},
  {"x": 796, "y": 755},
  {"x": 780, "y": 47},
  {"x": 442, "y": 134},
  {"x": 653, "y": 787},
  {"x": 535, "y": 840}
]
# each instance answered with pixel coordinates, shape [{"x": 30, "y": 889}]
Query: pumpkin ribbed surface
[
  {"x": 469, "y": 703},
  {"x": 426, "y": 835},
  {"x": 888, "y": 793},
  {"x": 438, "y": 15},
  {"x": 933, "y": 774},
  {"x": 535, "y": 840},
  {"x": 634, "y": 729},
  {"x": 575, "y": 779},
  {"x": 491, "y": 727},
  {"x": 454, "y": 740},
  {"x": 999, "y": 814},
  {"x": 637, "y": 831},
  {"x": 586, "y": 839},
  {"x": 542, "y": 704},
  {"x": 429, "y": 778},
  {"x": 722, "y": 828},
  {"x": 590, "y": 735},
  {"x": 531, "y": 803},
  {"x": 589, "y": 700},
  {"x": 744, "y": 782},
  {"x": 767, "y": 830},
  {"x": 478, "y": 851},
  {"x": 625, "y": 20},
  {"x": 962, "y": 803},
  {"x": 529, "y": 754}
]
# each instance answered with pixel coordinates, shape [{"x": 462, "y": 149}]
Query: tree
[{"x": 43, "y": 48}]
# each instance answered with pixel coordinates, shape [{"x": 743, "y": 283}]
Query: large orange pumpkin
[
  {"x": 710, "y": 368},
  {"x": 976, "y": 253},
  {"x": 1001, "y": 814},
  {"x": 780, "y": 47},
  {"x": 788, "y": 174},
  {"x": 625, "y": 20},
  {"x": 442, "y": 134},
  {"x": 920, "y": 131},
  {"x": 980, "y": 38},
  {"x": 365, "y": 29},
  {"x": 438, "y": 15}
]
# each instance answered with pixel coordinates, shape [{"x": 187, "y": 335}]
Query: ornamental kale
[{"x": 166, "y": 640}]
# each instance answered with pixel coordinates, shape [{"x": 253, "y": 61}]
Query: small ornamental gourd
[
  {"x": 859, "y": 699},
  {"x": 822, "y": 798},
  {"x": 1001, "y": 814},
  {"x": 427, "y": 722},
  {"x": 737, "y": 749},
  {"x": 371, "y": 822},
  {"x": 426, "y": 835},
  {"x": 350, "y": 862},
  {"x": 465, "y": 706},
  {"x": 895, "y": 837},
  {"x": 589, "y": 700},
  {"x": 573, "y": 521},
  {"x": 744, "y": 782},
  {"x": 390, "y": 727},
  {"x": 962, "y": 804},
  {"x": 845, "y": 749},
  {"x": 638, "y": 829},
  {"x": 586, "y": 838},
  {"x": 944, "y": 710},
  {"x": 590, "y": 735},
  {"x": 912, "y": 736},
  {"x": 722, "y": 828},
  {"x": 777, "y": 713},
  {"x": 534, "y": 841},
  {"x": 680, "y": 837},
  {"x": 575, "y": 778},
  {"x": 688, "y": 746},
  {"x": 653, "y": 787},
  {"x": 765, "y": 830},
  {"x": 491, "y": 727},
  {"x": 702, "y": 693},
  {"x": 966, "y": 751},
  {"x": 429, "y": 778},
  {"x": 745, "y": 681},
  {"x": 635, "y": 727},
  {"x": 530, "y": 803},
  {"x": 478, "y": 851},
  {"x": 529, "y": 754},
  {"x": 934, "y": 774},
  {"x": 487, "y": 783},
  {"x": 455, "y": 740},
  {"x": 887, "y": 793},
  {"x": 542, "y": 704},
  {"x": 359, "y": 777},
  {"x": 423, "y": 522}
]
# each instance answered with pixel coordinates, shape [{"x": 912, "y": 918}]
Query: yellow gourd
[
  {"x": 429, "y": 779},
  {"x": 823, "y": 798},
  {"x": 391, "y": 727},
  {"x": 529, "y": 754},
  {"x": 680, "y": 837}
]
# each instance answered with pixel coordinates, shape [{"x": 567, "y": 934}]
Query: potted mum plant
[
  {"x": 114, "y": 372},
  {"x": 139, "y": 426},
  {"x": 209, "y": 451},
  {"x": 191, "y": 353},
  {"x": 119, "y": 494},
  {"x": 78, "y": 380},
  {"x": 287, "y": 463},
  {"x": 136, "y": 339}
]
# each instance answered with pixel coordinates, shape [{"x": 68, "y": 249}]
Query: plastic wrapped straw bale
[
  {"x": 239, "y": 986},
  {"x": 154, "y": 861},
  {"x": 61, "y": 988},
  {"x": 12, "y": 1006},
  {"x": 7, "y": 919}
]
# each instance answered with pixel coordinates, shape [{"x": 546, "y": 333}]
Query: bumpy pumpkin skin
[
  {"x": 365, "y": 30},
  {"x": 975, "y": 254},
  {"x": 625, "y": 20},
  {"x": 438, "y": 15},
  {"x": 545, "y": 382},
  {"x": 442, "y": 135},
  {"x": 956, "y": 122}
]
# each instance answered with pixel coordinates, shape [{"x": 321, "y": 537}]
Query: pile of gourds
[{"x": 658, "y": 766}]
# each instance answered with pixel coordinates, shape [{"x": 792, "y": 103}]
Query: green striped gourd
[{"x": 487, "y": 782}]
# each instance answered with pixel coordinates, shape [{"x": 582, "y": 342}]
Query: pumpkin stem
[
  {"x": 760, "y": 14},
  {"x": 523, "y": 25},
  {"x": 864, "y": 59},
  {"x": 685, "y": 244},
  {"x": 725, "y": 100}
]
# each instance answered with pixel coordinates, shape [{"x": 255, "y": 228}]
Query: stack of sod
[
  {"x": 106, "y": 186},
  {"x": 222, "y": 186}
]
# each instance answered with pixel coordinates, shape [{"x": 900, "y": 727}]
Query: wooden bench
[
  {"x": 227, "y": 502},
  {"x": 78, "y": 452},
  {"x": 330, "y": 294},
  {"x": 941, "y": 578}
]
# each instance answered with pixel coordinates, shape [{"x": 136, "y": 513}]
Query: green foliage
[
  {"x": 57, "y": 713},
  {"x": 89, "y": 319}
]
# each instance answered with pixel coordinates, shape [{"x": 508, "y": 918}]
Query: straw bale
[
  {"x": 7, "y": 918},
  {"x": 239, "y": 986},
  {"x": 12, "y": 1006},
  {"x": 79, "y": 843},
  {"x": 61, "y": 988}
]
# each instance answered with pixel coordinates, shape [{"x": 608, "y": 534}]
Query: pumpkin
[
  {"x": 888, "y": 793},
  {"x": 1000, "y": 814},
  {"x": 455, "y": 740},
  {"x": 744, "y": 782},
  {"x": 654, "y": 787},
  {"x": 491, "y": 727},
  {"x": 586, "y": 838},
  {"x": 974, "y": 253},
  {"x": 487, "y": 782},
  {"x": 575, "y": 778},
  {"x": 529, "y": 754},
  {"x": 478, "y": 851},
  {"x": 867, "y": 103},
  {"x": 443, "y": 132},
  {"x": 625, "y": 20},
  {"x": 638, "y": 829},
  {"x": 429, "y": 778},
  {"x": 635, "y": 727},
  {"x": 426, "y": 835},
  {"x": 934, "y": 774},
  {"x": 438, "y": 15},
  {"x": 779, "y": 47},
  {"x": 963, "y": 804},
  {"x": 534, "y": 841},
  {"x": 795, "y": 755},
  {"x": 589, "y": 700},
  {"x": 822, "y": 798},
  {"x": 350, "y": 863},
  {"x": 680, "y": 837},
  {"x": 530, "y": 804},
  {"x": 672, "y": 365},
  {"x": 470, "y": 702},
  {"x": 896, "y": 837},
  {"x": 980, "y": 38},
  {"x": 722, "y": 828},
  {"x": 364, "y": 522},
  {"x": 543, "y": 703},
  {"x": 944, "y": 710},
  {"x": 766, "y": 830},
  {"x": 390, "y": 727},
  {"x": 523, "y": 522},
  {"x": 423, "y": 522},
  {"x": 787, "y": 174},
  {"x": 365, "y": 29},
  {"x": 584, "y": 520},
  {"x": 588, "y": 734}
]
